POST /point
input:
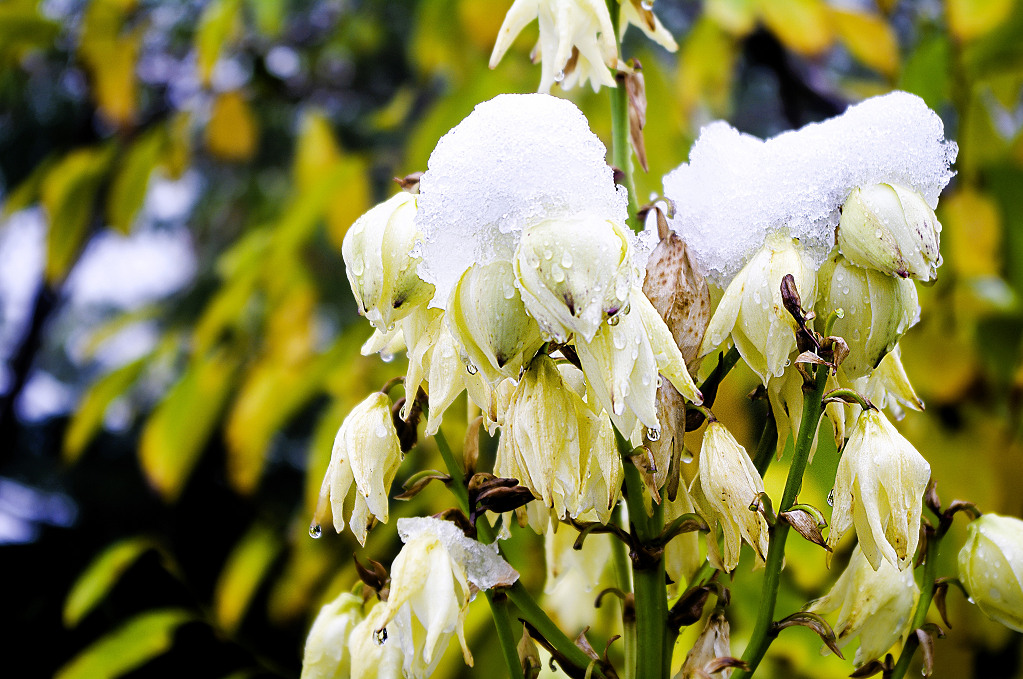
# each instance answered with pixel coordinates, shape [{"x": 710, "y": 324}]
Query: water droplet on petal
[
  {"x": 653, "y": 434},
  {"x": 614, "y": 320},
  {"x": 380, "y": 636},
  {"x": 381, "y": 431},
  {"x": 315, "y": 531},
  {"x": 566, "y": 260},
  {"x": 559, "y": 76},
  {"x": 831, "y": 498},
  {"x": 471, "y": 369},
  {"x": 386, "y": 357}
]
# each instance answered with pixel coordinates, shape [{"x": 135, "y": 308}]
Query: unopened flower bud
[
  {"x": 890, "y": 228},
  {"x": 573, "y": 274},
  {"x": 878, "y": 309},
  {"x": 367, "y": 452},
  {"x": 991, "y": 568},
  {"x": 714, "y": 642},
  {"x": 488, "y": 319},
  {"x": 326, "y": 648},
  {"x": 879, "y": 488},
  {"x": 876, "y": 605},
  {"x": 730, "y": 484},
  {"x": 753, "y": 312},
  {"x": 382, "y": 272}
]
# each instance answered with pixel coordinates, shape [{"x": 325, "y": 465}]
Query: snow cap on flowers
[
  {"x": 515, "y": 161},
  {"x": 737, "y": 188}
]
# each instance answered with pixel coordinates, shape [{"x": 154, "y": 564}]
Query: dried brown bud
[{"x": 679, "y": 293}]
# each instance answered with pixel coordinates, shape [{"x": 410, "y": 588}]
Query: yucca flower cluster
[{"x": 509, "y": 273}]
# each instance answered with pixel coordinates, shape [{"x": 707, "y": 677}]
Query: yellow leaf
[
  {"x": 110, "y": 57},
  {"x": 68, "y": 192},
  {"x": 88, "y": 416},
  {"x": 268, "y": 15},
  {"x": 972, "y": 232},
  {"x": 179, "y": 427},
  {"x": 225, "y": 310},
  {"x": 804, "y": 26},
  {"x": 869, "y": 38},
  {"x": 480, "y": 23},
  {"x": 970, "y": 19},
  {"x": 245, "y": 568},
  {"x": 178, "y": 150},
  {"x": 738, "y": 17},
  {"x": 232, "y": 132},
  {"x": 705, "y": 68},
  {"x": 220, "y": 23},
  {"x": 128, "y": 189},
  {"x": 129, "y": 646},
  {"x": 100, "y": 577},
  {"x": 316, "y": 150},
  {"x": 351, "y": 199},
  {"x": 22, "y": 27}
]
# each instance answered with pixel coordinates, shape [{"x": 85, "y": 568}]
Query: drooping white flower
[
  {"x": 875, "y": 603},
  {"x": 327, "y": 655},
  {"x": 367, "y": 453},
  {"x": 730, "y": 484},
  {"x": 890, "y": 228},
  {"x": 879, "y": 488},
  {"x": 375, "y": 648},
  {"x": 752, "y": 311},
  {"x": 380, "y": 268},
  {"x": 991, "y": 568}
]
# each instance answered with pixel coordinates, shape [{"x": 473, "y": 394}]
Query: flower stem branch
[
  {"x": 923, "y": 605},
  {"x": 764, "y": 631},
  {"x": 621, "y": 149}
]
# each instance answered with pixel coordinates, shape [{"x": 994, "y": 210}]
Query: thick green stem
[
  {"x": 924, "y": 605},
  {"x": 517, "y": 593},
  {"x": 621, "y": 149},
  {"x": 763, "y": 630}
]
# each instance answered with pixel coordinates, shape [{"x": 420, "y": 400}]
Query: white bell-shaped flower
[
  {"x": 382, "y": 272},
  {"x": 367, "y": 453},
  {"x": 890, "y": 228},
  {"x": 874, "y": 603},
  {"x": 326, "y": 653},
  {"x": 752, "y": 311},
  {"x": 991, "y": 568},
  {"x": 879, "y": 488}
]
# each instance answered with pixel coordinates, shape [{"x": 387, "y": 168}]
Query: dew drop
[
  {"x": 877, "y": 233},
  {"x": 315, "y": 531},
  {"x": 994, "y": 594},
  {"x": 660, "y": 381},
  {"x": 471, "y": 369},
  {"x": 831, "y": 498},
  {"x": 380, "y": 636},
  {"x": 381, "y": 431},
  {"x": 566, "y": 260},
  {"x": 559, "y": 76},
  {"x": 386, "y": 357},
  {"x": 687, "y": 456},
  {"x": 547, "y": 254},
  {"x": 614, "y": 320},
  {"x": 653, "y": 434}
]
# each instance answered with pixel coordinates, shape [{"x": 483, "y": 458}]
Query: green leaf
[
  {"x": 128, "y": 190},
  {"x": 128, "y": 647},
  {"x": 176, "y": 432},
  {"x": 68, "y": 192},
  {"x": 245, "y": 569},
  {"x": 100, "y": 577},
  {"x": 219, "y": 24},
  {"x": 926, "y": 70},
  {"x": 88, "y": 417},
  {"x": 268, "y": 15},
  {"x": 22, "y": 26}
]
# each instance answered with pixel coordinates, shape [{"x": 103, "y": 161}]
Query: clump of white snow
[
  {"x": 737, "y": 188},
  {"x": 484, "y": 567},
  {"x": 516, "y": 160}
]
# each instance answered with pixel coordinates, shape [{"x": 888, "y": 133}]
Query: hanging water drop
[
  {"x": 559, "y": 76},
  {"x": 831, "y": 498},
  {"x": 687, "y": 456},
  {"x": 386, "y": 356},
  {"x": 653, "y": 434},
  {"x": 614, "y": 320},
  {"x": 315, "y": 531},
  {"x": 471, "y": 369},
  {"x": 380, "y": 636}
]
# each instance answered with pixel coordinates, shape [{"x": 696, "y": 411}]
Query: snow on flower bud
[
  {"x": 752, "y": 310},
  {"x": 487, "y": 317},
  {"x": 879, "y": 488},
  {"x": 877, "y": 308},
  {"x": 574, "y": 273},
  {"x": 874, "y": 603},
  {"x": 991, "y": 568},
  {"x": 375, "y": 648},
  {"x": 890, "y": 228},
  {"x": 326, "y": 648},
  {"x": 623, "y": 361},
  {"x": 433, "y": 578},
  {"x": 367, "y": 452},
  {"x": 730, "y": 484},
  {"x": 376, "y": 250}
]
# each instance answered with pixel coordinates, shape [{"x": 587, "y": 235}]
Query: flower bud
[
  {"x": 378, "y": 261},
  {"x": 890, "y": 228},
  {"x": 487, "y": 317},
  {"x": 730, "y": 484},
  {"x": 326, "y": 648},
  {"x": 879, "y": 488},
  {"x": 714, "y": 642},
  {"x": 877, "y": 308},
  {"x": 678, "y": 292},
  {"x": 573, "y": 273},
  {"x": 991, "y": 568},
  {"x": 368, "y": 452},
  {"x": 752, "y": 310},
  {"x": 874, "y": 603}
]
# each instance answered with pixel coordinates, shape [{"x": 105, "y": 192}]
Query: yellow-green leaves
[
  {"x": 68, "y": 193},
  {"x": 245, "y": 569},
  {"x": 88, "y": 416},
  {"x": 181, "y": 424},
  {"x": 131, "y": 178},
  {"x": 232, "y": 132},
  {"x": 970, "y": 19},
  {"x": 110, "y": 53},
  {"x": 100, "y": 577},
  {"x": 130, "y": 646},
  {"x": 219, "y": 24}
]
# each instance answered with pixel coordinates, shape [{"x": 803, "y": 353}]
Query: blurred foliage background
[{"x": 180, "y": 344}]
